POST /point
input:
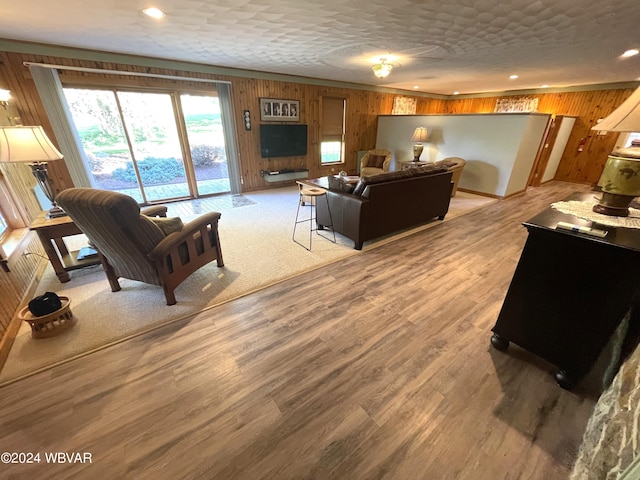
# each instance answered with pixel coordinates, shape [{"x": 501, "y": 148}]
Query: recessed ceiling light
[
  {"x": 153, "y": 12},
  {"x": 416, "y": 87},
  {"x": 513, "y": 77},
  {"x": 456, "y": 93},
  {"x": 544, "y": 86},
  {"x": 631, "y": 53}
]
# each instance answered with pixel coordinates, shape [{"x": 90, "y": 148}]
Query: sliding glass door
[
  {"x": 151, "y": 146},
  {"x": 203, "y": 122}
]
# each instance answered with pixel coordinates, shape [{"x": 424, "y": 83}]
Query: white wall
[
  {"x": 564, "y": 130},
  {"x": 499, "y": 148},
  {"x": 529, "y": 145}
]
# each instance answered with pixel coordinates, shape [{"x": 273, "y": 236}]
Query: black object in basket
[{"x": 45, "y": 304}]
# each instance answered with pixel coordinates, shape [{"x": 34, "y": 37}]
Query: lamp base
[
  {"x": 56, "y": 212},
  {"x": 417, "y": 151},
  {"x": 613, "y": 204}
]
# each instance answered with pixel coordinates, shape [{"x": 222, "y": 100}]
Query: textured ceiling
[{"x": 466, "y": 46}]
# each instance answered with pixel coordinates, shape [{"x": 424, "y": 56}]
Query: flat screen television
[{"x": 283, "y": 140}]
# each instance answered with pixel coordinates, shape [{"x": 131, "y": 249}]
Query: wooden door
[{"x": 546, "y": 146}]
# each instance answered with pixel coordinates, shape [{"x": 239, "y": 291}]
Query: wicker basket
[{"x": 52, "y": 323}]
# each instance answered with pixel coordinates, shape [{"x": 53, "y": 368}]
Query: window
[
  {"x": 135, "y": 142},
  {"x": 3, "y": 225},
  {"x": 332, "y": 130},
  {"x": 12, "y": 225},
  {"x": 631, "y": 137}
]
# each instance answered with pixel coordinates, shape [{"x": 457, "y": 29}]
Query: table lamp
[
  {"x": 31, "y": 144},
  {"x": 620, "y": 180},
  {"x": 420, "y": 135}
]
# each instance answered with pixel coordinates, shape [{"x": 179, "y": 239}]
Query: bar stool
[{"x": 312, "y": 194}]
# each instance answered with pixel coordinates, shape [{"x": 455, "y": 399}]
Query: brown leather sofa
[{"x": 386, "y": 203}]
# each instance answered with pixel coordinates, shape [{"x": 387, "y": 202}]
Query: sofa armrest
[{"x": 347, "y": 213}]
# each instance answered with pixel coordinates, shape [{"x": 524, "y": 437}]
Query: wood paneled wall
[
  {"x": 15, "y": 286},
  {"x": 363, "y": 108}
]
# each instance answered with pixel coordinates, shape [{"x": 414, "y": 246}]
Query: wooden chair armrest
[{"x": 187, "y": 234}]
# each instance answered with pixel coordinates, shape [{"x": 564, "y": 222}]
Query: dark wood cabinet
[{"x": 569, "y": 292}]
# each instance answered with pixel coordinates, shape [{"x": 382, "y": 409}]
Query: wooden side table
[{"x": 51, "y": 232}]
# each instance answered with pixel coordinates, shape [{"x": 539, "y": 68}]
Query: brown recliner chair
[
  {"x": 132, "y": 245},
  {"x": 374, "y": 162}
]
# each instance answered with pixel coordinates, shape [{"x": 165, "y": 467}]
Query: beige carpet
[{"x": 258, "y": 251}]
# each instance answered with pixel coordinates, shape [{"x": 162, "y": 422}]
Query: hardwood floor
[{"x": 378, "y": 366}]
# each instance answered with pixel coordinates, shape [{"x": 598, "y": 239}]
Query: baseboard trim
[{"x": 482, "y": 194}]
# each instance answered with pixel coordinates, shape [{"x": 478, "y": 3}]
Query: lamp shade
[
  {"x": 625, "y": 118},
  {"x": 26, "y": 144},
  {"x": 420, "y": 135}
]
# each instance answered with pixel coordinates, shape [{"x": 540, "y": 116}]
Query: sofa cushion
[
  {"x": 397, "y": 175},
  {"x": 376, "y": 161},
  {"x": 338, "y": 184}
]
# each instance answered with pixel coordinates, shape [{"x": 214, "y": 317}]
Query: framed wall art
[
  {"x": 516, "y": 104},
  {"x": 404, "y": 106},
  {"x": 279, "y": 110}
]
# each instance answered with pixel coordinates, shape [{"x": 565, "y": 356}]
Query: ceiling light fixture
[
  {"x": 382, "y": 69},
  {"x": 513, "y": 77},
  {"x": 153, "y": 12},
  {"x": 631, "y": 53}
]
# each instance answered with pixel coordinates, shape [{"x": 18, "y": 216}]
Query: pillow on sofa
[
  {"x": 338, "y": 184},
  {"x": 359, "y": 187},
  {"x": 167, "y": 225},
  {"x": 376, "y": 161}
]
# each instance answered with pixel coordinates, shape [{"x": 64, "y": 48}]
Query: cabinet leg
[
  {"x": 564, "y": 379},
  {"x": 499, "y": 343}
]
